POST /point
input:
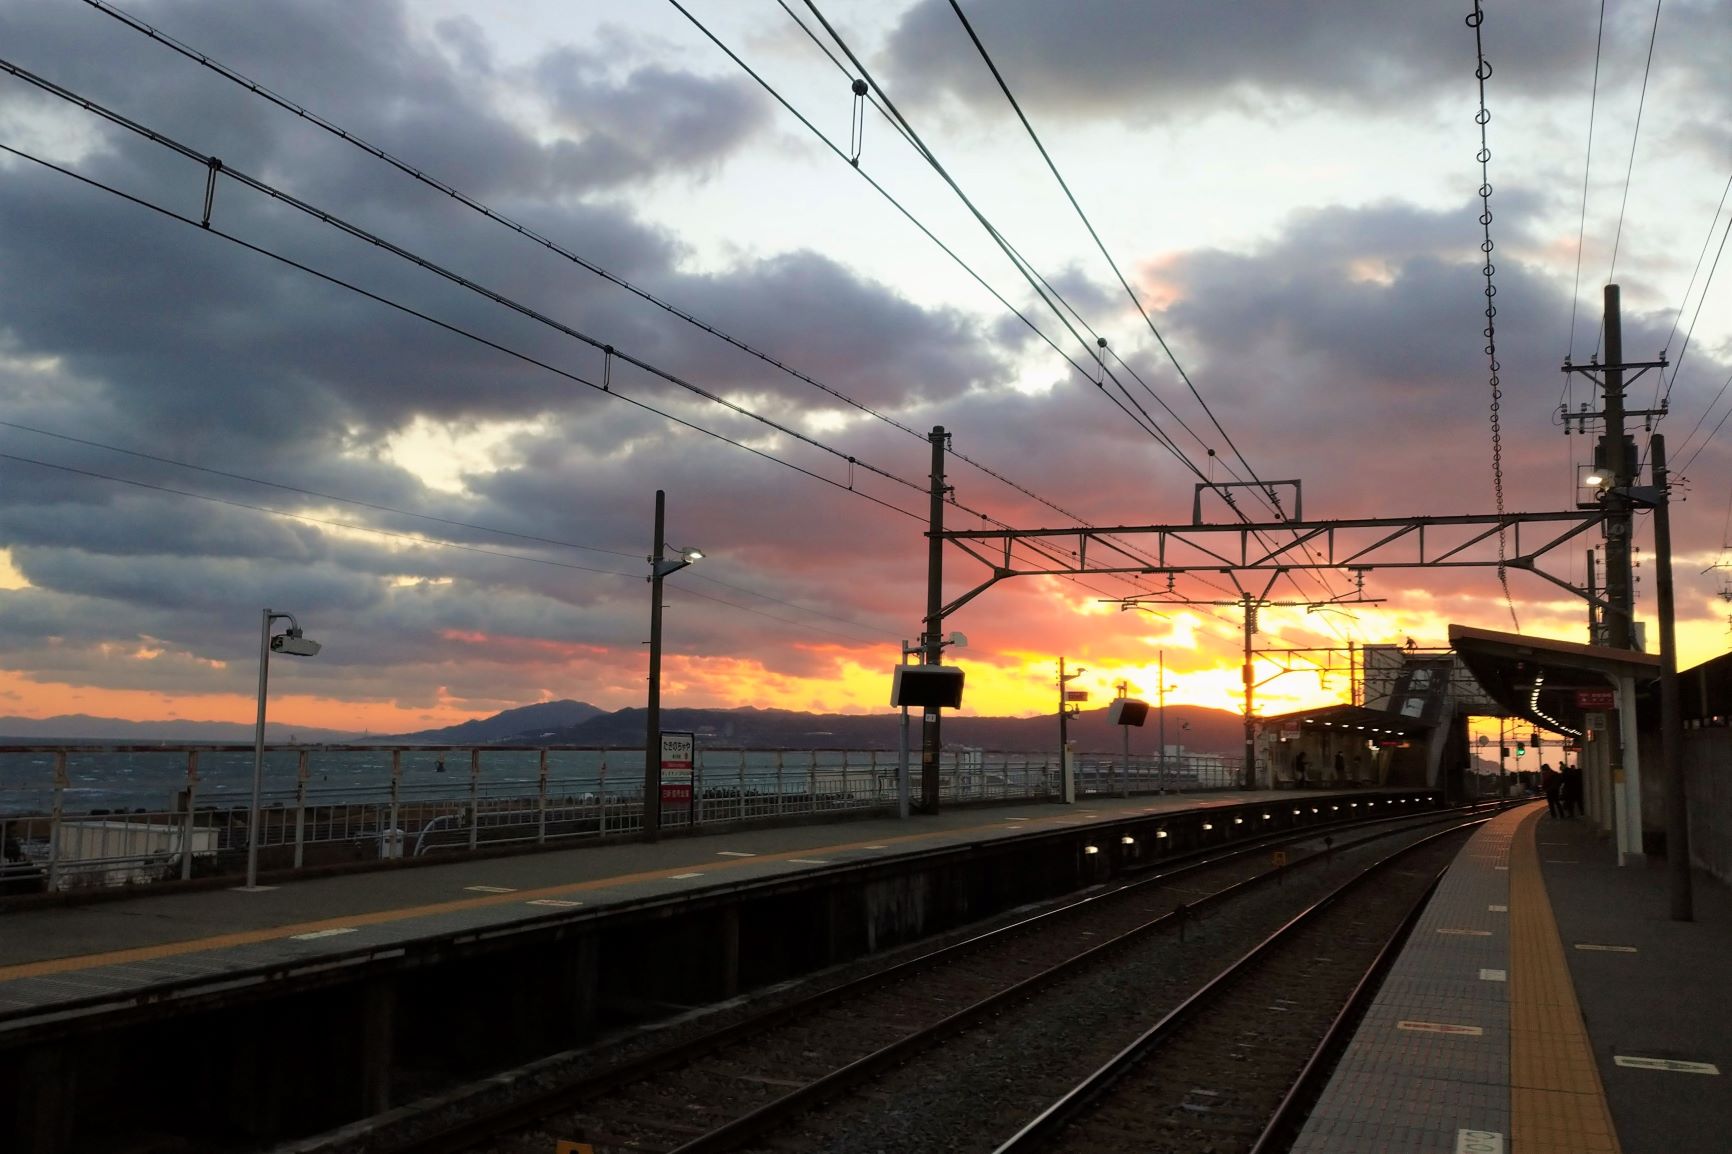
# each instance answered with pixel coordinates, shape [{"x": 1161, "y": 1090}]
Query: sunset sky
[{"x": 192, "y": 431}]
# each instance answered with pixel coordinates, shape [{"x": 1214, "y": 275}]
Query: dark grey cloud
[
  {"x": 127, "y": 329},
  {"x": 1169, "y": 59}
]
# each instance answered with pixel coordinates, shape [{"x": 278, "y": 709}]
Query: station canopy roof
[
  {"x": 1353, "y": 720},
  {"x": 1537, "y": 679}
]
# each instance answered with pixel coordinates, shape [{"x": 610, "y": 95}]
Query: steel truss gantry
[{"x": 1351, "y": 544}]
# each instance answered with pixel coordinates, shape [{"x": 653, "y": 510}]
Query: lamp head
[{"x": 293, "y": 644}]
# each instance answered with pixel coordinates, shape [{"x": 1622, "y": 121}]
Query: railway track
[
  {"x": 1231, "y": 1068},
  {"x": 726, "y": 1088}
]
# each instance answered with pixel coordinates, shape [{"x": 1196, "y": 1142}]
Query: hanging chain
[{"x": 1482, "y": 118}]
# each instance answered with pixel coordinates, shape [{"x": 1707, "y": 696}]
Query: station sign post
[{"x": 678, "y": 755}]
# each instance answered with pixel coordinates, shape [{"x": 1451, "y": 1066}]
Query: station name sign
[{"x": 1596, "y": 699}]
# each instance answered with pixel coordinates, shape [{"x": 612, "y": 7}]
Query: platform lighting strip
[{"x": 1534, "y": 708}]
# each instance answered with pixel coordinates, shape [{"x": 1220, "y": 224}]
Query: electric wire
[
  {"x": 1099, "y": 244},
  {"x": 1272, "y": 497},
  {"x": 997, "y": 237},
  {"x": 205, "y": 227},
  {"x": 303, "y": 113},
  {"x": 1635, "y": 137},
  {"x": 323, "y": 496},
  {"x": 412, "y": 538},
  {"x": 1678, "y": 365},
  {"x": 1036, "y": 281},
  {"x": 776, "y": 95},
  {"x": 218, "y": 168},
  {"x": 456, "y": 329},
  {"x": 404, "y": 513},
  {"x": 418, "y": 174},
  {"x": 1587, "y": 167}
]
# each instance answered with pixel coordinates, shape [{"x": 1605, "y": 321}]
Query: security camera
[{"x": 294, "y": 645}]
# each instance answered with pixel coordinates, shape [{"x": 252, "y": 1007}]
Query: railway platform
[
  {"x": 283, "y": 1011},
  {"x": 1545, "y": 1003},
  {"x": 155, "y": 937}
]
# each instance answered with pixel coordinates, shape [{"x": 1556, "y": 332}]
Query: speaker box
[
  {"x": 1128, "y": 711},
  {"x": 927, "y": 686}
]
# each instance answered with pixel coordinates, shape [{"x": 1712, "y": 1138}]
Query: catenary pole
[{"x": 930, "y": 733}]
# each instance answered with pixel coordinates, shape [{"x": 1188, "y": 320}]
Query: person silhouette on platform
[
  {"x": 1570, "y": 798},
  {"x": 1299, "y": 770},
  {"x": 1552, "y": 784}
]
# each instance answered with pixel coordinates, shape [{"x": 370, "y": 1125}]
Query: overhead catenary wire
[
  {"x": 774, "y": 94},
  {"x": 374, "y": 505},
  {"x": 1099, "y": 244},
  {"x": 281, "y": 196},
  {"x": 1708, "y": 283},
  {"x": 1587, "y": 167},
  {"x": 457, "y": 330},
  {"x": 1036, "y": 282},
  {"x": 1629, "y": 172},
  {"x": 448, "y": 274},
  {"x": 418, "y": 174},
  {"x": 1272, "y": 498}
]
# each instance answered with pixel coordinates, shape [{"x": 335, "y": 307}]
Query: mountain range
[{"x": 578, "y": 723}]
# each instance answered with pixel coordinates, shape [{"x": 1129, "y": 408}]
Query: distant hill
[
  {"x": 1209, "y": 730},
  {"x": 579, "y": 723},
  {"x": 118, "y": 731},
  {"x": 527, "y": 725}
]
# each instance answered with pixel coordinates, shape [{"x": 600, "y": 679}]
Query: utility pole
[
  {"x": 1619, "y": 586},
  {"x": 1671, "y": 712},
  {"x": 930, "y": 736},
  {"x": 1596, "y": 631},
  {"x": 1614, "y": 459}
]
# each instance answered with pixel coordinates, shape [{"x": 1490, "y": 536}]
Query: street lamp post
[
  {"x": 294, "y": 644},
  {"x": 660, "y": 567}
]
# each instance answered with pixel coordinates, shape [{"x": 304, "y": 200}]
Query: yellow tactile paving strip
[
  {"x": 70, "y": 964},
  {"x": 1557, "y": 1104}
]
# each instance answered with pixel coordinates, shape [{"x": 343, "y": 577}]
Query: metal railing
[{"x": 73, "y": 816}]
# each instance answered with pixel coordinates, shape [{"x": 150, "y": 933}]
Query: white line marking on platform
[
  {"x": 1478, "y": 1142},
  {"x": 1468, "y": 933},
  {"x": 1671, "y": 1064},
  {"x": 809, "y": 861},
  {"x": 492, "y": 889},
  {"x": 552, "y": 902},
  {"x": 1500, "y": 867},
  {"x": 1493, "y": 976},
  {"x": 874, "y": 847},
  {"x": 734, "y": 853},
  {"x": 323, "y": 934},
  {"x": 1440, "y": 1028},
  {"x": 1498, "y": 909},
  {"x": 682, "y": 877},
  {"x": 1606, "y": 949}
]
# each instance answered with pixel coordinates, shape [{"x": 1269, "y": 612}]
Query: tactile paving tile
[{"x": 1415, "y": 1090}]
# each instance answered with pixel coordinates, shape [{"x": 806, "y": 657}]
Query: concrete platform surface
[
  {"x": 71, "y": 954},
  {"x": 1545, "y": 1004}
]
